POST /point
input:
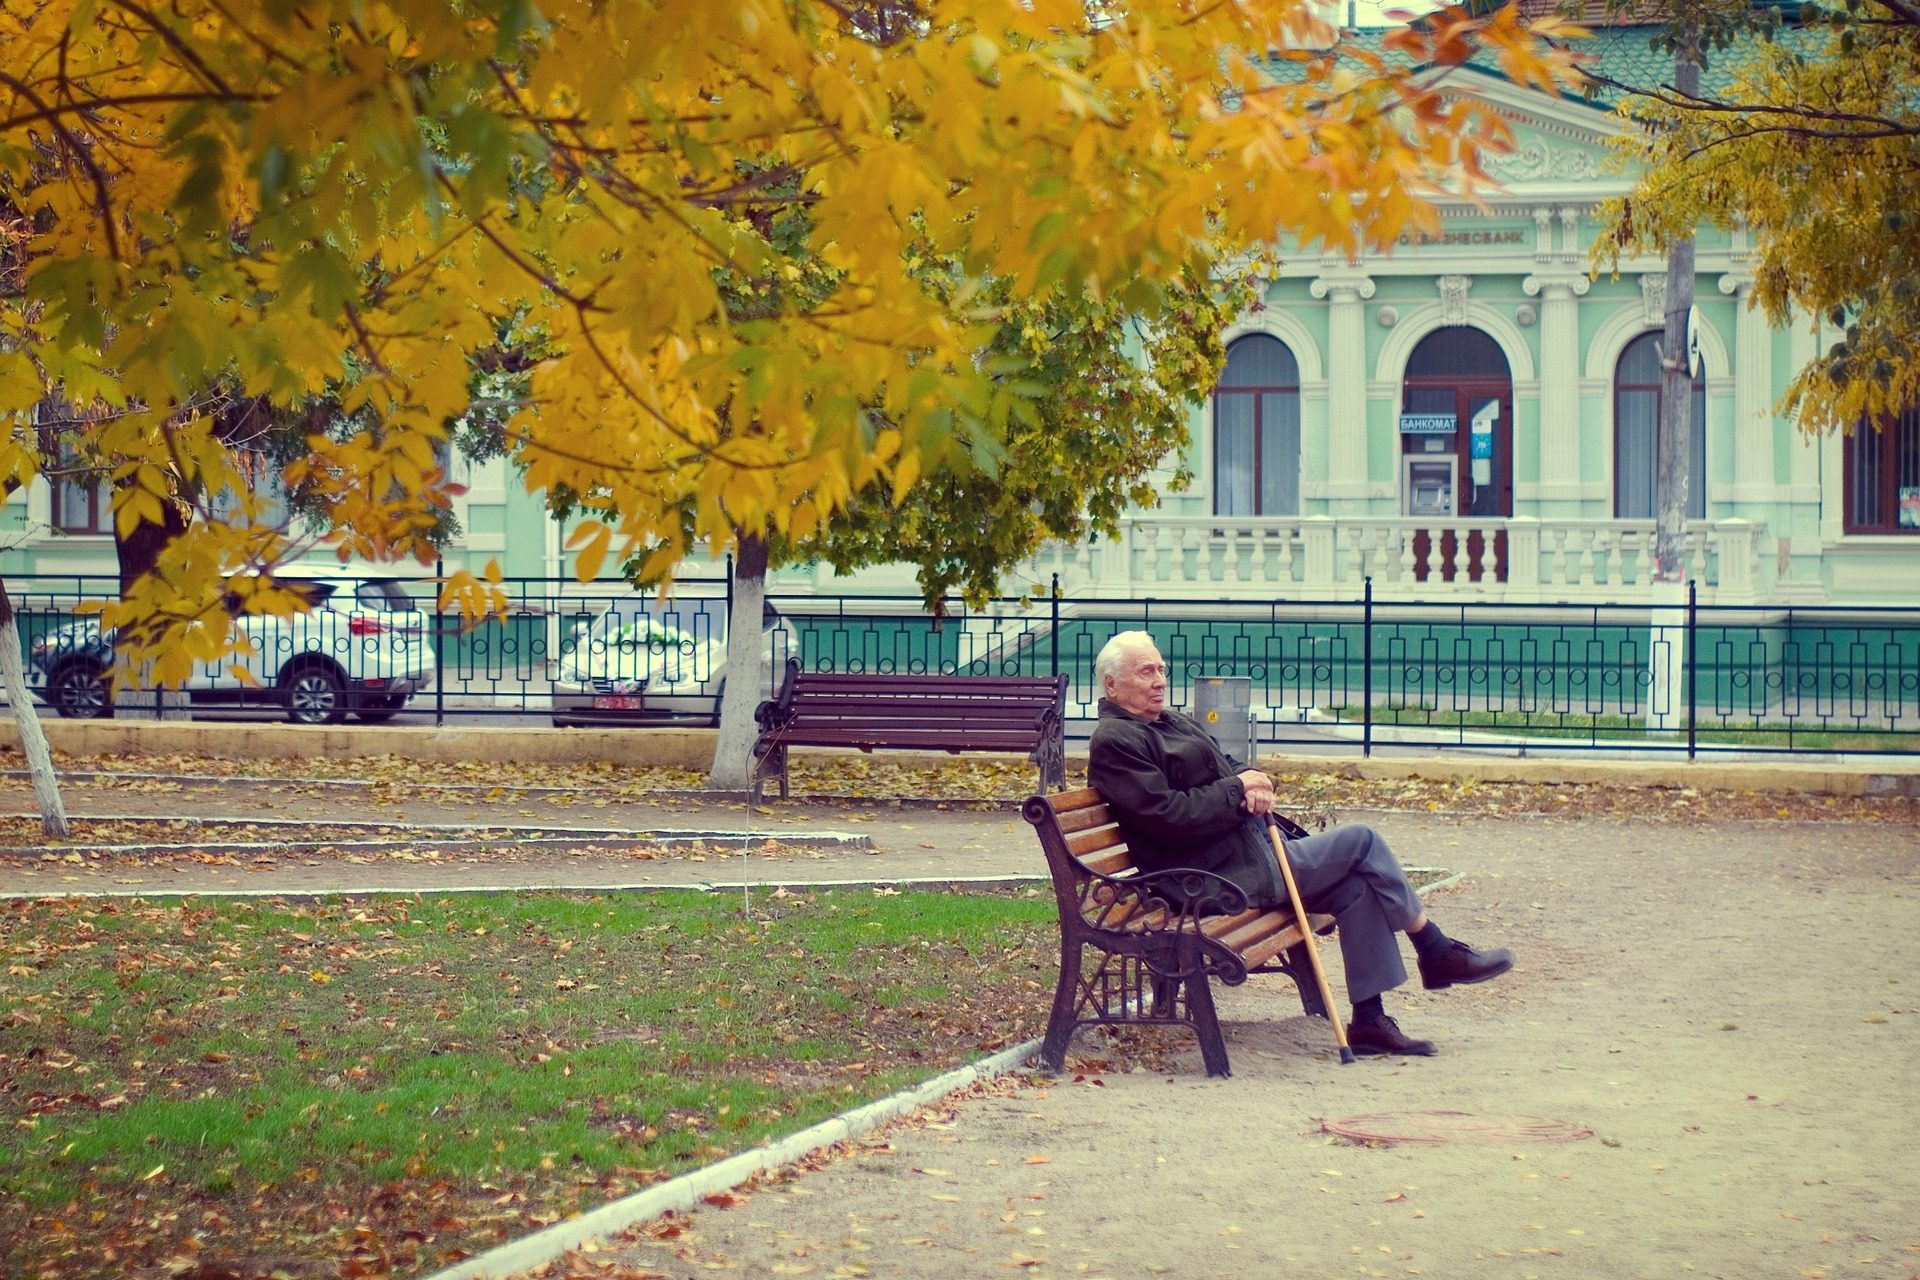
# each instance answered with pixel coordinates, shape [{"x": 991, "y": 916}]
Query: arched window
[
  {"x": 1636, "y": 426},
  {"x": 1457, "y": 351},
  {"x": 1256, "y": 431},
  {"x": 1883, "y": 475}
]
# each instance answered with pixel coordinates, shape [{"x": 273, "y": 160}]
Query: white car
[
  {"x": 362, "y": 647},
  {"x": 641, "y": 663}
]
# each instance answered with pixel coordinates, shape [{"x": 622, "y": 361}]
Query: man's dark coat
[{"x": 1179, "y": 800}]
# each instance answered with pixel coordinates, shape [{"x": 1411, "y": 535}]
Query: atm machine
[
  {"x": 1429, "y": 465},
  {"x": 1428, "y": 486}
]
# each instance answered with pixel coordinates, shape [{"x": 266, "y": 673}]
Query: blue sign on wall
[
  {"x": 1428, "y": 424},
  {"x": 1480, "y": 445}
]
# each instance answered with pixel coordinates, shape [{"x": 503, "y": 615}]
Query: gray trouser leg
[{"x": 1370, "y": 926}]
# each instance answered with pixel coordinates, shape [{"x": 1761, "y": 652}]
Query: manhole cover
[{"x": 1385, "y": 1128}]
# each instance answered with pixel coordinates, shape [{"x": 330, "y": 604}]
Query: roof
[{"x": 1620, "y": 52}]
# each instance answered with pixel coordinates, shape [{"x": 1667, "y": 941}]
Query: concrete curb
[
  {"x": 693, "y": 749},
  {"x": 690, "y": 1189}
]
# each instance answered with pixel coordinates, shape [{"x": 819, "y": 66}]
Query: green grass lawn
[{"x": 386, "y": 1085}]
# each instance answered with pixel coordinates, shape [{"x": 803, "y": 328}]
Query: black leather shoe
[
  {"x": 1461, "y": 963},
  {"x": 1376, "y": 1036}
]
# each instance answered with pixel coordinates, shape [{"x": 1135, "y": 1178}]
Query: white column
[
  {"x": 1346, "y": 292},
  {"x": 1559, "y": 379},
  {"x": 1753, "y": 471}
]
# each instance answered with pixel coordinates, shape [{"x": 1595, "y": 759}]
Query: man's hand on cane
[{"x": 1259, "y": 790}]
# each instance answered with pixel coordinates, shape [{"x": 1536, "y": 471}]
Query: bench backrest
[
  {"x": 999, "y": 712},
  {"x": 1080, "y": 834}
]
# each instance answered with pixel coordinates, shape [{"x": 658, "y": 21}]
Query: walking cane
[{"x": 1306, "y": 940}]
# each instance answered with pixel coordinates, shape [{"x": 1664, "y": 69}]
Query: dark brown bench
[
  {"x": 1138, "y": 947},
  {"x": 914, "y": 713}
]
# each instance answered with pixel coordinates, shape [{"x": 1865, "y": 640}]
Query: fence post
[
  {"x": 1053, "y": 634},
  {"x": 439, "y": 629},
  {"x": 1693, "y": 665},
  {"x": 1366, "y": 669}
]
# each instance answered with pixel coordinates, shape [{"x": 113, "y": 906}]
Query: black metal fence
[{"x": 1332, "y": 674}]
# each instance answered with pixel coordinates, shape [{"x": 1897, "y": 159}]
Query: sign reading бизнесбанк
[
  {"x": 1428, "y": 424},
  {"x": 1464, "y": 237}
]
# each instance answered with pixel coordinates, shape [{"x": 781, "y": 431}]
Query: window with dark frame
[
  {"x": 1256, "y": 430},
  {"x": 1636, "y": 431},
  {"x": 267, "y": 484},
  {"x": 82, "y": 501},
  {"x": 1882, "y": 476}
]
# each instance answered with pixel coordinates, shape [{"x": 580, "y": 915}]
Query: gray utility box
[{"x": 1224, "y": 704}]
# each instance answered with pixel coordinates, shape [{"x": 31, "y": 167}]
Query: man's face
[{"x": 1139, "y": 685}]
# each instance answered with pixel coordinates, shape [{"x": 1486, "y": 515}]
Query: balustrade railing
[{"x": 1525, "y": 558}]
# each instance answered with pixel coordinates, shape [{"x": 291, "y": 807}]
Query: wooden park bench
[
  {"x": 915, "y": 713},
  {"x": 1138, "y": 947}
]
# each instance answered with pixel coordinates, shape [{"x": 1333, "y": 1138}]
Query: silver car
[{"x": 641, "y": 663}]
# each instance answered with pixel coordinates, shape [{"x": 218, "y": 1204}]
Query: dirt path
[{"x": 1733, "y": 1011}]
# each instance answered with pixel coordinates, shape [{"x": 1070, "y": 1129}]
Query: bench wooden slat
[
  {"x": 1261, "y": 952},
  {"x": 920, "y": 708},
  {"x": 1083, "y": 844},
  {"x": 870, "y": 736},
  {"x": 1110, "y": 863},
  {"x": 1064, "y": 802},
  {"x": 1094, "y": 815},
  {"x": 1251, "y": 932}
]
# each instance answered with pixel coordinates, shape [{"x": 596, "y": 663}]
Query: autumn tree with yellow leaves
[{"x": 350, "y": 199}]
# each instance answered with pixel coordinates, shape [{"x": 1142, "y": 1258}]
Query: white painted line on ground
[
  {"x": 557, "y": 830},
  {"x": 1010, "y": 880},
  {"x": 688, "y": 1190}
]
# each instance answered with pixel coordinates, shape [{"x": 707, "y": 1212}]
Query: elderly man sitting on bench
[{"x": 1182, "y": 802}]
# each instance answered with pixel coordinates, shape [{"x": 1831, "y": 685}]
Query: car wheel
[
  {"x": 79, "y": 691},
  {"x": 378, "y": 710},
  {"x": 314, "y": 695}
]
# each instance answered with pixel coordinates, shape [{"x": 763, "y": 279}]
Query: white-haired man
[{"x": 1183, "y": 802}]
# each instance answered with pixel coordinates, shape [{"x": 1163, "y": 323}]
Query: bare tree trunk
[
  {"x": 1673, "y": 457},
  {"x": 733, "y": 745},
  {"x": 33, "y": 739}
]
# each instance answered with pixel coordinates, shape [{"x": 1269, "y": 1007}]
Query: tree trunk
[
  {"x": 733, "y": 745},
  {"x": 33, "y": 739},
  {"x": 1673, "y": 457},
  {"x": 138, "y": 552}
]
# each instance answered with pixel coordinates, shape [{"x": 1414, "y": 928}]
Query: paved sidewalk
[{"x": 1701, "y": 1067}]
